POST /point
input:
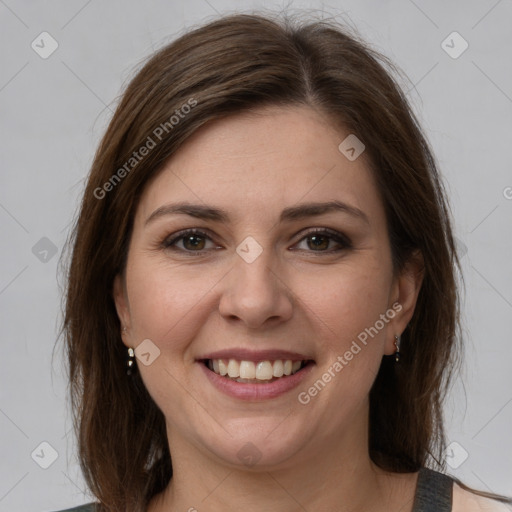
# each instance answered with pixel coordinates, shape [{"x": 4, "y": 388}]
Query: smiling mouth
[{"x": 260, "y": 372}]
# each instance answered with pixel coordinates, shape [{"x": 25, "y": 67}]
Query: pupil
[
  {"x": 317, "y": 241},
  {"x": 194, "y": 244}
]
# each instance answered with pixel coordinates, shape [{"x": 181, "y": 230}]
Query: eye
[
  {"x": 319, "y": 240},
  {"x": 191, "y": 240}
]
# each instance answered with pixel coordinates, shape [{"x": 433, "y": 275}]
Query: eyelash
[{"x": 340, "y": 238}]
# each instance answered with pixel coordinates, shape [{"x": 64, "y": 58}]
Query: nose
[{"x": 255, "y": 293}]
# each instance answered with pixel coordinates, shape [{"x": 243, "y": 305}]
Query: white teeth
[
  {"x": 247, "y": 371},
  {"x": 233, "y": 368},
  {"x": 278, "y": 370},
  {"x": 264, "y": 370},
  {"x": 223, "y": 370}
]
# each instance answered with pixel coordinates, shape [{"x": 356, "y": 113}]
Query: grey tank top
[{"x": 434, "y": 492}]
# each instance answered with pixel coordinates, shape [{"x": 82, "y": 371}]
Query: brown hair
[{"x": 233, "y": 64}]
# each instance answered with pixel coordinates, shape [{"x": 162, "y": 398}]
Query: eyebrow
[{"x": 298, "y": 212}]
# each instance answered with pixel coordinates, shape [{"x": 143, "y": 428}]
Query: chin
[{"x": 258, "y": 445}]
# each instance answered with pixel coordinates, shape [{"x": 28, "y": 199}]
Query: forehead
[{"x": 264, "y": 161}]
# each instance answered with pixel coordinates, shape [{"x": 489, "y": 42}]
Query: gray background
[{"x": 54, "y": 110}]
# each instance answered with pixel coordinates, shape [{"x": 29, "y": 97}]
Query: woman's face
[{"x": 269, "y": 276}]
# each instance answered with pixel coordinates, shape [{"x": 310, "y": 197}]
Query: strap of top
[{"x": 434, "y": 492}]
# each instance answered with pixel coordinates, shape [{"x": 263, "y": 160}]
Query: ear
[
  {"x": 404, "y": 295},
  {"x": 122, "y": 307}
]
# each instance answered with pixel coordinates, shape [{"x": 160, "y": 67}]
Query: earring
[
  {"x": 130, "y": 370},
  {"x": 397, "y": 346},
  {"x": 130, "y": 363}
]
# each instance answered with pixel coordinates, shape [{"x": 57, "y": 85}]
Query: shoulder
[
  {"x": 89, "y": 507},
  {"x": 466, "y": 501}
]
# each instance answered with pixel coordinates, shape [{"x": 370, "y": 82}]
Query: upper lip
[{"x": 243, "y": 354}]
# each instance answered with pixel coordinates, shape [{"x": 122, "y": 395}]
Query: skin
[{"x": 294, "y": 296}]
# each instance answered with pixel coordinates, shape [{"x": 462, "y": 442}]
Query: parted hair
[{"x": 230, "y": 65}]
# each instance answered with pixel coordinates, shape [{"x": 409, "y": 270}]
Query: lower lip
[{"x": 246, "y": 391}]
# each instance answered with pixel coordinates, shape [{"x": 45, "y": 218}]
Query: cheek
[
  {"x": 346, "y": 299},
  {"x": 169, "y": 306},
  {"x": 344, "y": 307},
  {"x": 166, "y": 301}
]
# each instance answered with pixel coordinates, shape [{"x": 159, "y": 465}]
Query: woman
[{"x": 265, "y": 248}]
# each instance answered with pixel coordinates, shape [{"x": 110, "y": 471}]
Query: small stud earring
[{"x": 397, "y": 346}]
